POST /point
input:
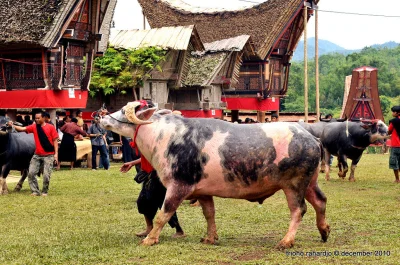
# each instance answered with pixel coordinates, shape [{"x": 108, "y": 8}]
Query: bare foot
[
  {"x": 397, "y": 181},
  {"x": 142, "y": 234},
  {"x": 178, "y": 235}
]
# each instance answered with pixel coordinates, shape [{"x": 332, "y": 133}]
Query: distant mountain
[{"x": 325, "y": 47}]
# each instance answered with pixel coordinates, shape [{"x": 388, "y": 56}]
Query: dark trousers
[
  {"x": 151, "y": 198},
  {"x": 103, "y": 156}
]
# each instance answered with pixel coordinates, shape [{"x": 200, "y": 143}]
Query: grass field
[{"x": 90, "y": 217}]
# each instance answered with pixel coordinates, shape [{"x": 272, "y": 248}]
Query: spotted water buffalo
[
  {"x": 16, "y": 151},
  {"x": 201, "y": 158},
  {"x": 349, "y": 140}
]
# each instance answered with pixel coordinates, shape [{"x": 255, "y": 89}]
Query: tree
[{"x": 119, "y": 70}]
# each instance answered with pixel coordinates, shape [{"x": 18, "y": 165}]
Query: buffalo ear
[{"x": 146, "y": 114}]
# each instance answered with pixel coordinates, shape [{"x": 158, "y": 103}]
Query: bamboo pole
[
  {"x": 305, "y": 15},
  {"x": 144, "y": 20},
  {"x": 316, "y": 66}
]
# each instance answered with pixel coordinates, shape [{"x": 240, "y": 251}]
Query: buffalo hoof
[
  {"x": 282, "y": 245},
  {"x": 4, "y": 192},
  {"x": 352, "y": 179},
  {"x": 149, "y": 241},
  {"x": 18, "y": 188},
  {"x": 325, "y": 233},
  {"x": 208, "y": 241},
  {"x": 327, "y": 178}
]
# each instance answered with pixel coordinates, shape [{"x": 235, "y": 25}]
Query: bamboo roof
[
  {"x": 264, "y": 22},
  {"x": 174, "y": 38}
]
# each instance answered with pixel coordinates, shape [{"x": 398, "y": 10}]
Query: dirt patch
[{"x": 254, "y": 255}]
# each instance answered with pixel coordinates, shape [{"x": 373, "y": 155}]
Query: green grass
[{"x": 90, "y": 217}]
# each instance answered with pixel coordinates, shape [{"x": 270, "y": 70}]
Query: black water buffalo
[
  {"x": 201, "y": 158},
  {"x": 16, "y": 151},
  {"x": 316, "y": 129},
  {"x": 349, "y": 140}
]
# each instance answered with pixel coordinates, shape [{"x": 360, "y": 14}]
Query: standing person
[
  {"x": 71, "y": 131},
  {"x": 27, "y": 120},
  {"x": 79, "y": 118},
  {"x": 46, "y": 152},
  {"x": 394, "y": 131},
  {"x": 85, "y": 127},
  {"x": 47, "y": 118},
  {"x": 98, "y": 138},
  {"x": 151, "y": 197},
  {"x": 274, "y": 117}
]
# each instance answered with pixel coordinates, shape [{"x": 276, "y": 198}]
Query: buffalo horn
[
  {"x": 321, "y": 119},
  {"x": 131, "y": 115},
  {"x": 342, "y": 120}
]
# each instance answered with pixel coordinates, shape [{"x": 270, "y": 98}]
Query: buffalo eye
[{"x": 123, "y": 111}]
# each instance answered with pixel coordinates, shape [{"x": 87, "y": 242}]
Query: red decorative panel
[
  {"x": 74, "y": 66},
  {"x": 363, "y": 111},
  {"x": 80, "y": 23},
  {"x": 82, "y": 14},
  {"x": 22, "y": 71}
]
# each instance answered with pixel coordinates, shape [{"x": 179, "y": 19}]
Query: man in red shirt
[
  {"x": 394, "y": 130},
  {"x": 46, "y": 152}
]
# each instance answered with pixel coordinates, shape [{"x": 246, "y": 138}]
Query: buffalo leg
[
  {"x": 317, "y": 198},
  {"x": 24, "y": 174},
  {"x": 173, "y": 198},
  {"x": 207, "y": 204},
  {"x": 342, "y": 161},
  {"x": 3, "y": 186},
  {"x": 298, "y": 208},
  {"x": 3, "y": 179},
  {"x": 353, "y": 169},
  {"x": 326, "y": 161}
]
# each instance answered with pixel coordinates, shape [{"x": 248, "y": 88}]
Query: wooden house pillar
[
  {"x": 305, "y": 16},
  {"x": 235, "y": 115},
  {"x": 316, "y": 66},
  {"x": 260, "y": 116}
]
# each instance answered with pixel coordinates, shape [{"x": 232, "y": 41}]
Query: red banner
[
  {"x": 46, "y": 99},
  {"x": 202, "y": 113},
  {"x": 269, "y": 104}
]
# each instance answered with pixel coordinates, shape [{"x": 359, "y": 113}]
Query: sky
[{"x": 347, "y": 31}]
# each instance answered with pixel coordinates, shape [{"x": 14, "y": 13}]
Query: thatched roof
[
  {"x": 33, "y": 21},
  {"x": 205, "y": 65},
  {"x": 202, "y": 69},
  {"x": 264, "y": 22}
]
